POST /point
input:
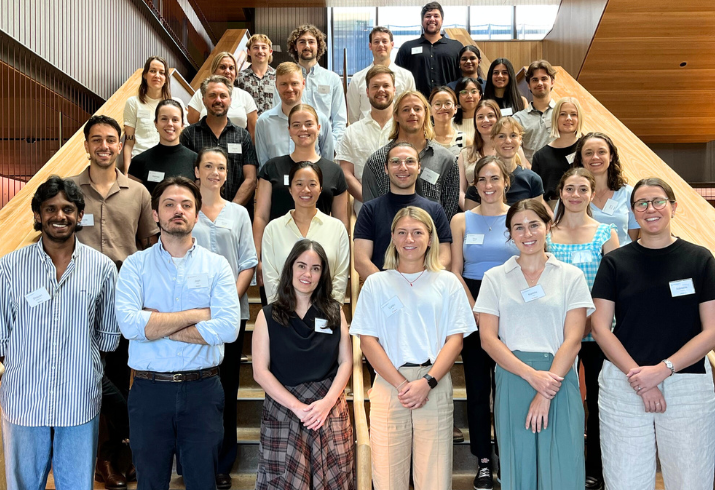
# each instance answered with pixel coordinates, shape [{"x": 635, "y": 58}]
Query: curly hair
[
  {"x": 616, "y": 179},
  {"x": 306, "y": 29}
]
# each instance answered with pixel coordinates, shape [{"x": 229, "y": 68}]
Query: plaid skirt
[{"x": 293, "y": 457}]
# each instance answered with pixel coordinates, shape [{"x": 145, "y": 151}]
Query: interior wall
[
  {"x": 520, "y": 53},
  {"x": 278, "y": 23},
  {"x": 689, "y": 160}
]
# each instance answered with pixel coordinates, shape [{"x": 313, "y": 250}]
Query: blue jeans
[{"x": 31, "y": 451}]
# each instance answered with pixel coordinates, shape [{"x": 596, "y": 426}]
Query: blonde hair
[
  {"x": 432, "y": 263},
  {"x": 217, "y": 61},
  {"x": 259, "y": 38},
  {"x": 288, "y": 67},
  {"x": 515, "y": 126},
  {"x": 555, "y": 116},
  {"x": 426, "y": 124}
]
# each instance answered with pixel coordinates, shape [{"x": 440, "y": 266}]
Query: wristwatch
[
  {"x": 669, "y": 365},
  {"x": 430, "y": 381}
]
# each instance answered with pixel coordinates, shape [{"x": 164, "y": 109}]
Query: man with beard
[
  {"x": 323, "y": 88},
  {"x": 56, "y": 315},
  {"x": 177, "y": 304},
  {"x": 432, "y": 58},
  {"x": 366, "y": 136},
  {"x": 215, "y": 129},
  {"x": 117, "y": 217}
]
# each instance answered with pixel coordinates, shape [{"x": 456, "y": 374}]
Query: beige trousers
[{"x": 424, "y": 436}]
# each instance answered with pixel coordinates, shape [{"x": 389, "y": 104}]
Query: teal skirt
[{"x": 552, "y": 459}]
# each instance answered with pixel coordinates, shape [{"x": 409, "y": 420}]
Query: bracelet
[{"x": 400, "y": 385}]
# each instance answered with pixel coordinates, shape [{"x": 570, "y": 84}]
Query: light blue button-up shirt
[
  {"x": 324, "y": 91},
  {"x": 153, "y": 279},
  {"x": 273, "y": 139}
]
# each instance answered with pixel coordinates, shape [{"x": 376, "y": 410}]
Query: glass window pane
[
  {"x": 491, "y": 22},
  {"x": 535, "y": 21},
  {"x": 454, "y": 17},
  {"x": 351, "y": 30},
  {"x": 404, "y": 22}
]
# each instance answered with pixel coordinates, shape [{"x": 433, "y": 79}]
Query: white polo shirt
[{"x": 358, "y": 104}]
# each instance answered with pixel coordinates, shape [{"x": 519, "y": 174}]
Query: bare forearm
[
  {"x": 565, "y": 357},
  {"x": 354, "y": 186},
  {"x": 340, "y": 381},
  {"x": 244, "y": 281},
  {"x": 190, "y": 335},
  {"x": 446, "y": 357},
  {"x": 613, "y": 349},
  {"x": 164, "y": 324},
  {"x": 365, "y": 268},
  {"x": 697, "y": 348},
  {"x": 275, "y": 389},
  {"x": 378, "y": 358},
  {"x": 501, "y": 354},
  {"x": 245, "y": 192}
]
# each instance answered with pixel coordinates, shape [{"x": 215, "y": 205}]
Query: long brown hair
[
  {"x": 144, "y": 86},
  {"x": 616, "y": 179},
  {"x": 475, "y": 151},
  {"x": 573, "y": 172}
]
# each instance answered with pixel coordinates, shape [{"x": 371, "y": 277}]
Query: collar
[
  {"x": 250, "y": 70},
  {"x": 162, "y": 251},
  {"x": 319, "y": 217},
  {"x": 530, "y": 107},
  {"x": 369, "y": 120},
  {"x": 423, "y": 40},
  {"x": 276, "y": 111},
  {"x": 122, "y": 180},
  {"x": 512, "y": 264},
  {"x": 203, "y": 124},
  {"x": 315, "y": 68},
  {"x": 44, "y": 257}
]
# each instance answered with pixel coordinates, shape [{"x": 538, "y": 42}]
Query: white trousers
[{"x": 684, "y": 433}]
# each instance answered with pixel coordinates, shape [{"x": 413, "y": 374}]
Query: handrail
[
  {"x": 233, "y": 41},
  {"x": 363, "y": 455}
]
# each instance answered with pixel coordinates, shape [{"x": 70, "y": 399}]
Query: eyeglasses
[
  {"x": 396, "y": 162},
  {"x": 446, "y": 105},
  {"x": 470, "y": 92},
  {"x": 658, "y": 204}
]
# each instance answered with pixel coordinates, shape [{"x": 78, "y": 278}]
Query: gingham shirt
[{"x": 53, "y": 374}]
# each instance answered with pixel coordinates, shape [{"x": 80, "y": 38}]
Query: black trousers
[
  {"x": 480, "y": 385},
  {"x": 115, "y": 390},
  {"x": 168, "y": 418},
  {"x": 591, "y": 356},
  {"x": 229, "y": 373}
]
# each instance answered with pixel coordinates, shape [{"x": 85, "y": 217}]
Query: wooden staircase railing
[{"x": 232, "y": 41}]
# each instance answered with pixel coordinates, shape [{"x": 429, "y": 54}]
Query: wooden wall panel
[
  {"x": 520, "y": 53},
  {"x": 278, "y": 23}
]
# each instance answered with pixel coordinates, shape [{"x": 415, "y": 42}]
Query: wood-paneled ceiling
[{"x": 633, "y": 67}]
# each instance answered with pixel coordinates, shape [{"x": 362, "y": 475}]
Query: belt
[
  {"x": 410, "y": 364},
  {"x": 177, "y": 377}
]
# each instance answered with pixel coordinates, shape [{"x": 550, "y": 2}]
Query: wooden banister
[{"x": 233, "y": 41}]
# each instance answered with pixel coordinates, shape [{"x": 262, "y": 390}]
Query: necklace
[
  {"x": 411, "y": 282},
  {"x": 487, "y": 223},
  {"x": 532, "y": 279}
]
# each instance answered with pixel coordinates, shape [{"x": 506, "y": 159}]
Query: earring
[{"x": 89, "y": 157}]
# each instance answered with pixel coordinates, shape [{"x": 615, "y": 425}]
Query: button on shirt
[
  {"x": 358, "y": 103},
  {"x": 53, "y": 374},
  {"x": 261, "y": 89},
  {"x": 431, "y": 64},
  {"x": 112, "y": 224},
  {"x": 273, "y": 139},
  {"x": 203, "y": 279},
  {"x": 537, "y": 128}
]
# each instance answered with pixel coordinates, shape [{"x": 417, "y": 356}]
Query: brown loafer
[
  {"x": 223, "y": 482},
  {"x": 107, "y": 474},
  {"x": 457, "y": 435}
]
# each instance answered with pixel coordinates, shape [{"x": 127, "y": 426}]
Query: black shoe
[
  {"x": 457, "y": 435},
  {"x": 483, "y": 480},
  {"x": 594, "y": 483},
  {"x": 223, "y": 482}
]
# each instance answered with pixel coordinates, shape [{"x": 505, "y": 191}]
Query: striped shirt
[{"x": 51, "y": 345}]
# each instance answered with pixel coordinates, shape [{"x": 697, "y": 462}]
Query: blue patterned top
[{"x": 585, "y": 256}]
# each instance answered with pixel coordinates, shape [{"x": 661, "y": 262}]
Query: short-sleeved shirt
[
  {"x": 537, "y": 128},
  {"x": 162, "y": 162},
  {"x": 622, "y": 216},
  {"x": 140, "y": 116},
  {"x": 431, "y": 64},
  {"x": 536, "y": 326},
  {"x": 113, "y": 224},
  {"x": 276, "y": 171},
  {"x": 375, "y": 221},
  {"x": 242, "y": 104},
  {"x": 261, "y": 89},
  {"x": 523, "y": 184},
  {"x": 358, "y": 103},
  {"x": 652, "y": 323},
  {"x": 551, "y": 164},
  {"x": 412, "y": 322}
]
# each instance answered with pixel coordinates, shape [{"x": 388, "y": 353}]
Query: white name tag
[
  {"x": 285, "y": 180},
  {"x": 581, "y": 256},
  {"x": 610, "y": 207},
  {"x": 234, "y": 148},
  {"x": 87, "y": 220},
  {"x": 474, "y": 239},
  {"x": 569, "y": 158},
  {"x": 197, "y": 281},
  {"x": 430, "y": 175},
  {"x": 532, "y": 294},
  {"x": 392, "y": 306},
  {"x": 37, "y": 297},
  {"x": 683, "y": 287},
  {"x": 321, "y": 326},
  {"x": 324, "y": 89},
  {"x": 155, "y": 176},
  {"x": 417, "y": 50},
  {"x": 506, "y": 112}
]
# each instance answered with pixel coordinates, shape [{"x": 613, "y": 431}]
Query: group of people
[{"x": 487, "y": 226}]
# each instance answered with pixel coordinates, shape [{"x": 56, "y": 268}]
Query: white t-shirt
[
  {"x": 412, "y": 323},
  {"x": 537, "y": 325},
  {"x": 141, "y": 117},
  {"x": 242, "y": 104}
]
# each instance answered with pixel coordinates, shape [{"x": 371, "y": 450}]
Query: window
[
  {"x": 351, "y": 31},
  {"x": 534, "y": 21},
  {"x": 495, "y": 23}
]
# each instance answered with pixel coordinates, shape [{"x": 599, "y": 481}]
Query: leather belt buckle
[{"x": 178, "y": 378}]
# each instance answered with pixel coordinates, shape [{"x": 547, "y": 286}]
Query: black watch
[{"x": 430, "y": 381}]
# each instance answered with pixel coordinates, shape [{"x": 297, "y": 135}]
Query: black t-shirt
[
  {"x": 161, "y": 162},
  {"x": 551, "y": 164},
  {"x": 651, "y": 324},
  {"x": 276, "y": 171},
  {"x": 375, "y": 220},
  {"x": 524, "y": 184},
  {"x": 431, "y": 64},
  {"x": 298, "y": 353}
]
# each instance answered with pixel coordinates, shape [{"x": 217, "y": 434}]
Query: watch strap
[{"x": 432, "y": 382}]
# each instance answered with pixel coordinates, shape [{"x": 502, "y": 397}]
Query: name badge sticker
[
  {"x": 155, "y": 176},
  {"x": 417, "y": 50},
  {"x": 532, "y": 294},
  {"x": 87, "y": 220},
  {"x": 610, "y": 207},
  {"x": 392, "y": 306},
  {"x": 581, "y": 257},
  {"x": 234, "y": 148},
  {"x": 37, "y": 297},
  {"x": 285, "y": 180},
  {"x": 197, "y": 281},
  {"x": 324, "y": 89},
  {"x": 430, "y": 176},
  {"x": 474, "y": 239},
  {"x": 569, "y": 158},
  {"x": 683, "y": 287},
  {"x": 506, "y": 112},
  {"x": 321, "y": 326}
]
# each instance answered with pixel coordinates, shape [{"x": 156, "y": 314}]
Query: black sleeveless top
[{"x": 298, "y": 353}]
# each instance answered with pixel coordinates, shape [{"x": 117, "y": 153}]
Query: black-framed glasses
[{"x": 658, "y": 203}]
